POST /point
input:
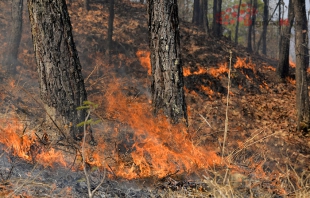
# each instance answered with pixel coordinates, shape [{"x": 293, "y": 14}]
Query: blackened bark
[
  {"x": 217, "y": 18},
  {"x": 301, "y": 51},
  {"x": 11, "y": 54},
  {"x": 61, "y": 81},
  {"x": 265, "y": 25},
  {"x": 110, "y": 28},
  {"x": 167, "y": 74},
  {"x": 237, "y": 24},
  {"x": 283, "y": 65}
]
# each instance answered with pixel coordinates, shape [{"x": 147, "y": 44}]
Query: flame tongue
[{"x": 159, "y": 148}]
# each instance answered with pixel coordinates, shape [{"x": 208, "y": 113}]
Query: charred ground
[{"x": 264, "y": 157}]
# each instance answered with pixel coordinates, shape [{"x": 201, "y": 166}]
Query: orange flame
[
  {"x": 13, "y": 136},
  {"x": 216, "y": 72},
  {"x": 145, "y": 61},
  {"x": 159, "y": 148}
]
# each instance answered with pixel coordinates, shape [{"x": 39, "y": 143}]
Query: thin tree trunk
[
  {"x": 283, "y": 65},
  {"x": 237, "y": 24},
  {"x": 205, "y": 20},
  {"x": 250, "y": 28},
  {"x": 11, "y": 54},
  {"x": 217, "y": 18},
  {"x": 265, "y": 25},
  {"x": 196, "y": 10},
  {"x": 253, "y": 10},
  {"x": 167, "y": 74},
  {"x": 301, "y": 51},
  {"x": 110, "y": 28},
  {"x": 86, "y": 5},
  {"x": 61, "y": 81}
]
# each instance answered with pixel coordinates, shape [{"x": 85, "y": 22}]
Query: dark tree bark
[
  {"x": 302, "y": 61},
  {"x": 283, "y": 65},
  {"x": 265, "y": 25},
  {"x": 11, "y": 54},
  {"x": 86, "y": 5},
  {"x": 61, "y": 81},
  {"x": 237, "y": 24},
  {"x": 205, "y": 20},
  {"x": 167, "y": 74},
  {"x": 250, "y": 29},
  {"x": 110, "y": 28},
  {"x": 198, "y": 12},
  {"x": 217, "y": 18},
  {"x": 254, "y": 9}
]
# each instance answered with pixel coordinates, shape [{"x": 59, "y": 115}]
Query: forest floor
[{"x": 143, "y": 155}]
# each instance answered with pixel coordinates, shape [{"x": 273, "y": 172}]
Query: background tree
[
  {"x": 205, "y": 20},
  {"x": 167, "y": 74},
  {"x": 283, "y": 64},
  {"x": 250, "y": 28},
  {"x": 110, "y": 28},
  {"x": 217, "y": 18},
  {"x": 61, "y": 81},
  {"x": 86, "y": 5},
  {"x": 11, "y": 55},
  {"x": 237, "y": 23},
  {"x": 197, "y": 12},
  {"x": 302, "y": 61},
  {"x": 265, "y": 25}
]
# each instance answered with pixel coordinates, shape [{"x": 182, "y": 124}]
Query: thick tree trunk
[
  {"x": 301, "y": 51},
  {"x": 265, "y": 25},
  {"x": 61, "y": 81},
  {"x": 11, "y": 54},
  {"x": 237, "y": 24},
  {"x": 110, "y": 28},
  {"x": 217, "y": 18},
  {"x": 167, "y": 74},
  {"x": 283, "y": 65}
]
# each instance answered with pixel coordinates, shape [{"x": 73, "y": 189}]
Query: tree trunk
[
  {"x": 301, "y": 51},
  {"x": 196, "y": 11},
  {"x": 250, "y": 29},
  {"x": 167, "y": 74},
  {"x": 11, "y": 54},
  {"x": 265, "y": 25},
  {"x": 86, "y": 5},
  {"x": 61, "y": 81},
  {"x": 205, "y": 21},
  {"x": 253, "y": 11},
  {"x": 110, "y": 28},
  {"x": 217, "y": 18},
  {"x": 237, "y": 24},
  {"x": 283, "y": 65}
]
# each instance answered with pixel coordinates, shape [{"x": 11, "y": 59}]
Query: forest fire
[
  {"x": 144, "y": 58},
  {"x": 24, "y": 144}
]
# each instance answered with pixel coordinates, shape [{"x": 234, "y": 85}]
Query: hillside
[{"x": 145, "y": 156}]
